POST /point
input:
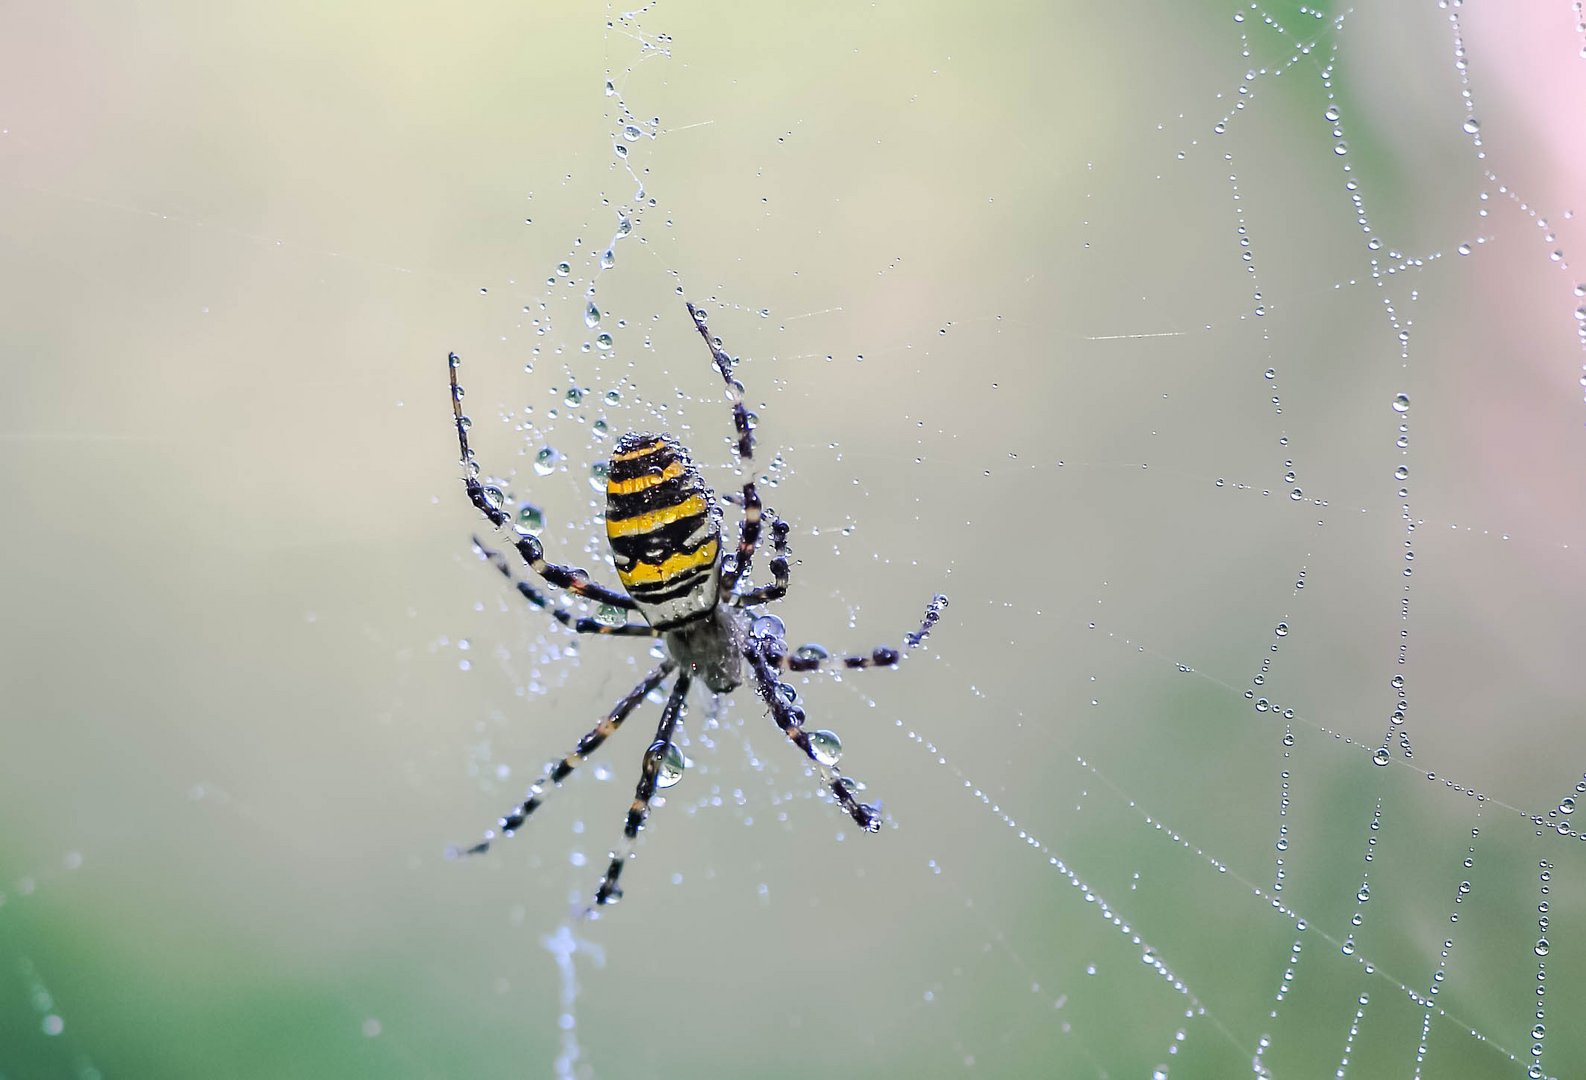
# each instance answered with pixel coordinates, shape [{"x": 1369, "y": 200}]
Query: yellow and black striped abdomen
[{"x": 665, "y": 529}]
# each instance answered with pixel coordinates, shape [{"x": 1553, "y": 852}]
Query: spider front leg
[
  {"x": 559, "y": 771},
  {"x": 743, "y": 423},
  {"x": 880, "y": 656},
  {"x": 649, "y": 777},
  {"x": 571, "y": 578},
  {"x": 742, "y": 419},
  {"x": 766, "y": 640}
]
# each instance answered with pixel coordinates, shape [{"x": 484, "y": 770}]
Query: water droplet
[
  {"x": 672, "y": 768},
  {"x": 1542, "y": 947},
  {"x": 1401, "y": 402},
  {"x": 591, "y": 315},
  {"x": 631, "y": 132},
  {"x": 613, "y": 396},
  {"x": 1566, "y": 806},
  {"x": 531, "y": 518},
  {"x": 610, "y": 615},
  {"x": 1472, "y": 125},
  {"x": 827, "y": 746},
  {"x": 812, "y": 651},
  {"x": 546, "y": 460},
  {"x": 597, "y": 475},
  {"x": 603, "y": 342},
  {"x": 563, "y": 269},
  {"x": 768, "y": 626},
  {"x": 1381, "y": 757},
  {"x": 1282, "y": 629}
]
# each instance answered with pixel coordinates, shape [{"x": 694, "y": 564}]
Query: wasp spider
[{"x": 664, "y": 525}]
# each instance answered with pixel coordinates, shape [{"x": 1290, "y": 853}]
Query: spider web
[{"x": 1223, "y": 367}]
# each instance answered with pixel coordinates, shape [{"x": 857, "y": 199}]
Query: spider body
[{"x": 664, "y": 526}]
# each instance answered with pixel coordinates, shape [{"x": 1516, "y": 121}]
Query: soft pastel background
[{"x": 1091, "y": 316}]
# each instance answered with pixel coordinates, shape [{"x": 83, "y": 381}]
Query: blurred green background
[{"x": 1092, "y": 317}]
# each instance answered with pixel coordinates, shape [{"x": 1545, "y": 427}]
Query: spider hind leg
[
  {"x": 649, "y": 778},
  {"x": 558, "y": 771}
]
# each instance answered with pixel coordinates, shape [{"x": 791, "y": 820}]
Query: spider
[{"x": 664, "y": 526}]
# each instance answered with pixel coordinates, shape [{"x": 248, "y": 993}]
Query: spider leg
[
  {"x": 790, "y": 718},
  {"x": 558, "y": 771},
  {"x": 748, "y": 538},
  {"x": 609, "y": 893},
  {"x": 571, "y": 578},
  {"x": 743, "y": 423},
  {"x": 741, "y": 419},
  {"x": 779, "y": 568},
  {"x": 582, "y": 625},
  {"x": 880, "y": 656}
]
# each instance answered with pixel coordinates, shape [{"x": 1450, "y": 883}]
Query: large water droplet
[
  {"x": 827, "y": 746},
  {"x": 672, "y": 768},
  {"x": 768, "y": 626}
]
